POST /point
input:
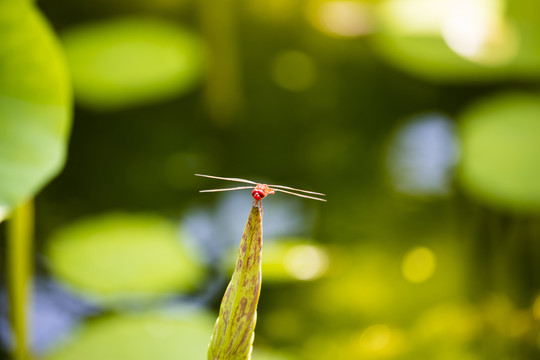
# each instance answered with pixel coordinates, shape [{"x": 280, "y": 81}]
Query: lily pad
[
  {"x": 128, "y": 61},
  {"x": 117, "y": 257},
  {"x": 501, "y": 151},
  {"x": 35, "y": 104},
  {"x": 138, "y": 337}
]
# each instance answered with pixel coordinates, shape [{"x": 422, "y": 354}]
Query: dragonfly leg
[{"x": 259, "y": 204}]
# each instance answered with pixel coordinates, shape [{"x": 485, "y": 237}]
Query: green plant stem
[
  {"x": 223, "y": 94},
  {"x": 20, "y": 266}
]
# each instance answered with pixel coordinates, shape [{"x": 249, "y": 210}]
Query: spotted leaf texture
[{"x": 235, "y": 327}]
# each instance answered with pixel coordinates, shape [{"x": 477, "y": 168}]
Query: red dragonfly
[{"x": 260, "y": 191}]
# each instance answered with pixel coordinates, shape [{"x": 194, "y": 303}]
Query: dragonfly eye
[{"x": 257, "y": 194}]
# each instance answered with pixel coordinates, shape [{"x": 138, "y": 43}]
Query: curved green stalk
[
  {"x": 20, "y": 266},
  {"x": 223, "y": 93}
]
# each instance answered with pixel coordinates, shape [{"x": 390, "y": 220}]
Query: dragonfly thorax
[{"x": 260, "y": 191}]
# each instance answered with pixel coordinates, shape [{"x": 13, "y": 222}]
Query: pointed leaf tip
[{"x": 234, "y": 331}]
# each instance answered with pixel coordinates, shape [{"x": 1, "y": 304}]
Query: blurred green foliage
[
  {"x": 501, "y": 142},
  {"x": 473, "y": 41},
  {"x": 141, "y": 336},
  {"x": 121, "y": 62},
  {"x": 35, "y": 104},
  {"x": 85, "y": 256},
  {"x": 418, "y": 119}
]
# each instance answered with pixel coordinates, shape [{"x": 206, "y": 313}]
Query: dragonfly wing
[
  {"x": 228, "y": 179},
  {"x": 228, "y": 189},
  {"x": 304, "y": 196},
  {"x": 290, "y": 188}
]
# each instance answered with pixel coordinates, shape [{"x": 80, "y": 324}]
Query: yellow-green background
[{"x": 420, "y": 120}]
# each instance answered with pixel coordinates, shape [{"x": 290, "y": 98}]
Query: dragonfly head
[
  {"x": 261, "y": 191},
  {"x": 258, "y": 195}
]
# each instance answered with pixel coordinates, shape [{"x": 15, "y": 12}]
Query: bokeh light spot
[
  {"x": 458, "y": 321},
  {"x": 4, "y": 211},
  {"x": 418, "y": 264},
  {"x": 421, "y": 156},
  {"x": 306, "y": 262},
  {"x": 375, "y": 338},
  {"x": 294, "y": 71},
  {"x": 536, "y": 308},
  {"x": 413, "y": 16},
  {"x": 341, "y": 18},
  {"x": 477, "y": 31}
]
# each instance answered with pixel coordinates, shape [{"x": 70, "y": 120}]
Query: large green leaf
[
  {"x": 118, "y": 257},
  {"x": 147, "y": 336},
  {"x": 35, "y": 100},
  {"x": 233, "y": 334},
  {"x": 501, "y": 151},
  {"x": 128, "y": 61}
]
